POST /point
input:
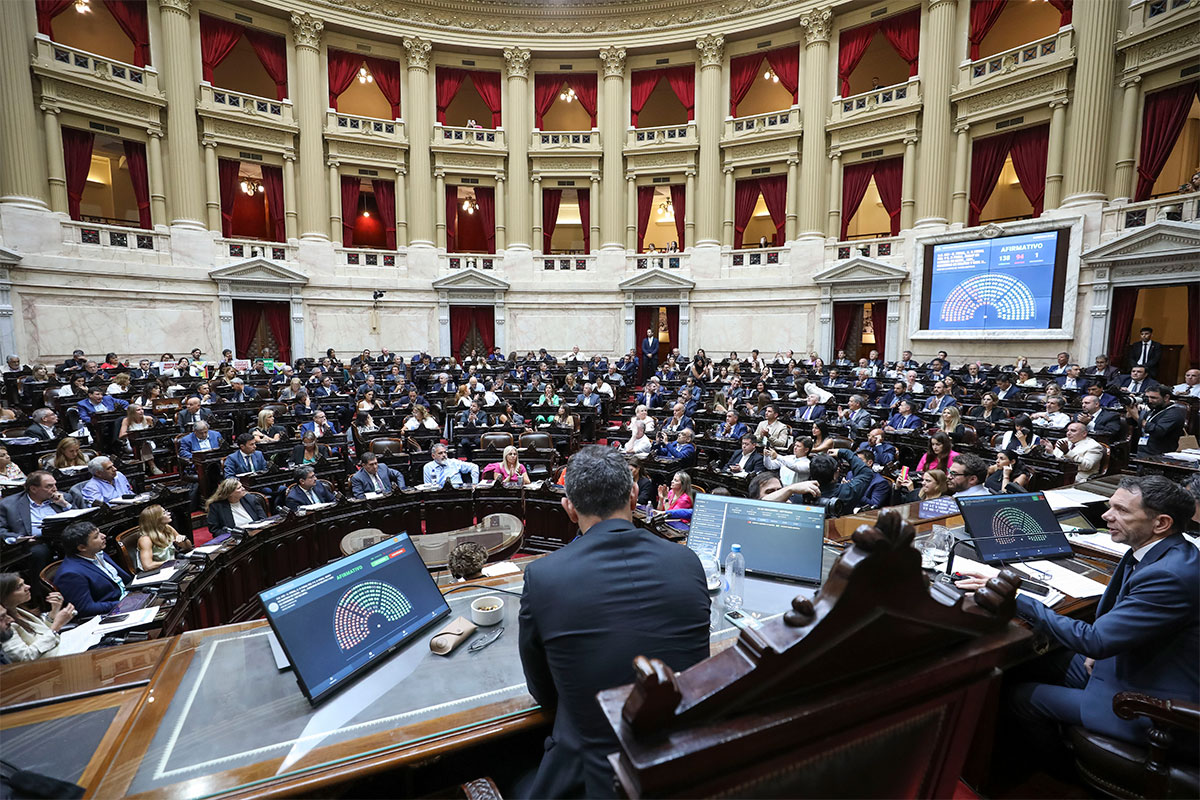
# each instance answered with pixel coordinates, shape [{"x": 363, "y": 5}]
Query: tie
[
  {"x": 246, "y": 460},
  {"x": 1145, "y": 352},
  {"x": 808, "y": 413},
  {"x": 312, "y": 500},
  {"x": 1136, "y": 387},
  {"x": 378, "y": 485}
]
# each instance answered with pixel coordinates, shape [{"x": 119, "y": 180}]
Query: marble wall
[
  {"x": 558, "y": 329},
  {"x": 403, "y": 329},
  {"x": 720, "y": 329}
]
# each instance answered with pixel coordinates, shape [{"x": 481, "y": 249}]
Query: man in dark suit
[
  {"x": 813, "y": 410},
  {"x": 1162, "y": 424},
  {"x": 1072, "y": 379},
  {"x": 649, "y": 354},
  {"x": 246, "y": 458},
  {"x": 241, "y": 392},
  {"x": 1098, "y": 420},
  {"x": 201, "y": 438},
  {"x": 44, "y": 425},
  {"x": 75, "y": 362},
  {"x": 1137, "y": 382},
  {"x": 191, "y": 413},
  {"x": 21, "y": 515},
  {"x": 143, "y": 371},
  {"x": 88, "y": 578},
  {"x": 308, "y": 490},
  {"x": 1102, "y": 370},
  {"x": 746, "y": 461},
  {"x": 1146, "y": 352},
  {"x": 374, "y": 477},
  {"x": 97, "y": 402},
  {"x": 580, "y": 630}
]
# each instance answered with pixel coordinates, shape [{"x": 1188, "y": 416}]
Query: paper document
[
  {"x": 164, "y": 574},
  {"x": 74, "y": 512},
  {"x": 502, "y": 568},
  {"x": 316, "y": 506},
  {"x": 966, "y": 565},
  {"x": 1099, "y": 541},
  {"x": 1060, "y": 499},
  {"x": 1061, "y": 578},
  {"x": 89, "y": 634},
  {"x": 208, "y": 548},
  {"x": 119, "y": 501},
  {"x": 1187, "y": 458}
]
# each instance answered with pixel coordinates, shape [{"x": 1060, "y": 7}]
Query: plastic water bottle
[{"x": 735, "y": 578}]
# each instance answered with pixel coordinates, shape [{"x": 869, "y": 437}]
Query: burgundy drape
[
  {"x": 272, "y": 178},
  {"x": 679, "y": 207},
  {"x": 774, "y": 192},
  {"x": 447, "y": 83},
  {"x": 246, "y": 317},
  {"x": 272, "y": 52},
  {"x": 743, "y": 71},
  {"x": 546, "y": 88},
  {"x": 672, "y": 332},
  {"x": 343, "y": 68},
  {"x": 641, "y": 86},
  {"x": 230, "y": 185},
  {"x": 46, "y": 11},
  {"x": 1064, "y": 9},
  {"x": 745, "y": 197},
  {"x": 682, "y": 81},
  {"x": 131, "y": 17},
  {"x": 217, "y": 39},
  {"x": 1030, "y": 146},
  {"x": 135, "y": 157},
  {"x": 278, "y": 316},
  {"x": 1120, "y": 320},
  {"x": 843, "y": 321},
  {"x": 889, "y": 177},
  {"x": 987, "y": 160},
  {"x": 77, "y": 155},
  {"x": 855, "y": 180},
  {"x": 485, "y": 323},
  {"x": 385, "y": 199},
  {"x": 488, "y": 86},
  {"x": 485, "y": 196},
  {"x": 461, "y": 318},
  {"x": 351, "y": 186},
  {"x": 585, "y": 217},
  {"x": 585, "y": 88},
  {"x": 551, "y": 199},
  {"x": 387, "y": 78},
  {"x": 785, "y": 62},
  {"x": 903, "y": 31},
  {"x": 984, "y": 14},
  {"x": 879, "y": 320},
  {"x": 1193, "y": 324},
  {"x": 1162, "y": 119},
  {"x": 851, "y": 45},
  {"x": 645, "y": 202},
  {"x": 451, "y": 218}
]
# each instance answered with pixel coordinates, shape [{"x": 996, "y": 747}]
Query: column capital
[
  {"x": 400, "y": 170},
  {"x": 690, "y": 172},
  {"x": 794, "y": 161},
  {"x": 712, "y": 49},
  {"x": 911, "y": 141},
  {"x": 417, "y": 51},
  {"x": 832, "y": 155},
  {"x": 963, "y": 128},
  {"x": 208, "y": 141},
  {"x": 1059, "y": 102},
  {"x": 516, "y": 60},
  {"x": 613, "y": 59},
  {"x": 289, "y": 156},
  {"x": 182, "y": 6},
  {"x": 49, "y": 108},
  {"x": 935, "y": 3},
  {"x": 727, "y": 170},
  {"x": 630, "y": 177},
  {"x": 154, "y": 133},
  {"x": 332, "y": 162},
  {"x": 306, "y": 30},
  {"x": 1132, "y": 80},
  {"x": 817, "y": 25}
]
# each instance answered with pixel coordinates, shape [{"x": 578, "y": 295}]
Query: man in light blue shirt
[
  {"x": 442, "y": 468},
  {"x": 107, "y": 484}
]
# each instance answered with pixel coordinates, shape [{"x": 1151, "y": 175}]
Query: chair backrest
[
  {"x": 129, "y": 549},
  {"x": 537, "y": 440},
  {"x": 495, "y": 440},
  {"x": 1106, "y": 460},
  {"x": 49, "y": 573},
  {"x": 265, "y": 502},
  {"x": 384, "y": 446}
]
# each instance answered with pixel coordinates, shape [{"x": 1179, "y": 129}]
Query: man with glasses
[{"x": 966, "y": 476}]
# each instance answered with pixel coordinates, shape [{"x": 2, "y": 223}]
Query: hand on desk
[{"x": 971, "y": 581}]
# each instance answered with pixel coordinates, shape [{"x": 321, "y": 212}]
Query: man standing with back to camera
[{"x": 589, "y": 609}]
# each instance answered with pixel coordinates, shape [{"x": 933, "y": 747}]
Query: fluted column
[
  {"x": 56, "y": 170},
  {"x": 612, "y": 139},
  {"x": 727, "y": 223},
  {"x": 420, "y": 130},
  {"x": 631, "y": 242},
  {"x": 937, "y": 76},
  {"x": 22, "y": 169},
  {"x": 186, "y": 201},
  {"x": 711, "y": 120},
  {"x": 335, "y": 202},
  {"x": 835, "y": 194},
  {"x": 689, "y": 211},
  {"x": 535, "y": 201},
  {"x": 793, "y": 197},
  {"x": 908, "y": 200},
  {"x": 1087, "y": 147},
  {"x": 212, "y": 186},
  {"x": 814, "y": 169},
  {"x": 1123, "y": 185},
  {"x": 158, "y": 197},
  {"x": 311, "y": 100},
  {"x": 402, "y": 212},
  {"x": 594, "y": 199},
  {"x": 291, "y": 221},
  {"x": 518, "y": 122},
  {"x": 439, "y": 207},
  {"x": 501, "y": 216},
  {"x": 962, "y": 154},
  {"x": 1054, "y": 155}
]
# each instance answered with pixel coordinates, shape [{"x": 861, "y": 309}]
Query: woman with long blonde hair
[
  {"x": 158, "y": 541},
  {"x": 509, "y": 468},
  {"x": 69, "y": 454}
]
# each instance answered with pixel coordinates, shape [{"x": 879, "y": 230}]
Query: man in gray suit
[
  {"x": 21, "y": 514},
  {"x": 375, "y": 477}
]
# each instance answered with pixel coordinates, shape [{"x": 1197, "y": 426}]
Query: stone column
[
  {"x": 518, "y": 123},
  {"x": 501, "y": 216},
  {"x": 535, "y": 201},
  {"x": 962, "y": 155},
  {"x": 727, "y": 224},
  {"x": 179, "y": 85},
  {"x": 335, "y": 202},
  {"x": 612, "y": 140},
  {"x": 402, "y": 213},
  {"x": 311, "y": 99},
  {"x": 814, "y": 170},
  {"x": 835, "y": 194},
  {"x": 291, "y": 221},
  {"x": 1123, "y": 185},
  {"x": 711, "y": 121},
  {"x": 439, "y": 207},
  {"x": 158, "y": 197},
  {"x": 1087, "y": 148},
  {"x": 56, "y": 170},
  {"x": 22, "y": 170},
  {"x": 793, "y": 197},
  {"x": 212, "y": 186},
  {"x": 908, "y": 200},
  {"x": 594, "y": 199},
  {"x": 689, "y": 211},
  {"x": 937, "y": 76},
  {"x": 1054, "y": 155},
  {"x": 631, "y": 243},
  {"x": 420, "y": 131}
]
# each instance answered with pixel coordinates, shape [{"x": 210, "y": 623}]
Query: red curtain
[
  {"x": 745, "y": 197},
  {"x": 984, "y": 14},
  {"x": 679, "y": 207},
  {"x": 1064, "y": 8},
  {"x": 1162, "y": 120},
  {"x": 246, "y": 317},
  {"x": 461, "y": 318},
  {"x": 641, "y": 86},
  {"x": 485, "y": 323},
  {"x": 485, "y": 196},
  {"x": 451, "y": 218},
  {"x": 672, "y": 332},
  {"x": 774, "y": 192},
  {"x": 447, "y": 83},
  {"x": 1193, "y": 324},
  {"x": 217, "y": 38},
  {"x": 584, "y": 85},
  {"x": 879, "y": 321},
  {"x": 987, "y": 160},
  {"x": 855, "y": 180},
  {"x": 273, "y": 188},
  {"x": 351, "y": 186},
  {"x": 545, "y": 91},
  {"x": 683, "y": 83},
  {"x": 1120, "y": 320},
  {"x": 385, "y": 198},
  {"x": 272, "y": 52},
  {"x": 851, "y": 46},
  {"x": 387, "y": 78},
  {"x": 785, "y": 62},
  {"x": 131, "y": 17},
  {"x": 585, "y": 217},
  {"x": 743, "y": 71},
  {"x": 889, "y": 177},
  {"x": 1030, "y": 147},
  {"x": 135, "y": 157},
  {"x": 903, "y": 31},
  {"x": 279, "y": 318},
  {"x": 645, "y": 202},
  {"x": 227, "y": 172},
  {"x": 488, "y": 86},
  {"x": 77, "y": 155},
  {"x": 343, "y": 67},
  {"x": 843, "y": 321},
  {"x": 551, "y": 199},
  {"x": 46, "y": 11}
]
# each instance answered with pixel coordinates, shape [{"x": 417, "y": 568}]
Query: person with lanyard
[
  {"x": 88, "y": 579},
  {"x": 442, "y": 469}
]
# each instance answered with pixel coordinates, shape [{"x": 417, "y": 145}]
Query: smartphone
[
  {"x": 904, "y": 474},
  {"x": 743, "y": 621}
]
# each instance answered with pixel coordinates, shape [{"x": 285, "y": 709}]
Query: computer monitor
[
  {"x": 1013, "y": 527},
  {"x": 343, "y": 618},
  {"x": 779, "y": 540}
]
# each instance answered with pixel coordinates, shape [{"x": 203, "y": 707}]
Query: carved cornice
[
  {"x": 517, "y": 61},
  {"x": 417, "y": 50},
  {"x": 712, "y": 50},
  {"x": 817, "y": 25},
  {"x": 306, "y": 30},
  {"x": 613, "y": 61}
]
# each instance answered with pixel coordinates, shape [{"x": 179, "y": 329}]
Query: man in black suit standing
[
  {"x": 1146, "y": 353},
  {"x": 649, "y": 354},
  {"x": 1162, "y": 423},
  {"x": 616, "y": 592}
]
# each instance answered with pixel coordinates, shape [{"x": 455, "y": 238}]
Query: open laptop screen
[{"x": 779, "y": 540}]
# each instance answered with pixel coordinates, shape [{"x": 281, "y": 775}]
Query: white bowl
[{"x": 487, "y": 610}]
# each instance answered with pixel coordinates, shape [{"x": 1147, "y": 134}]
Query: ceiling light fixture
[
  {"x": 770, "y": 75},
  {"x": 82, "y": 6},
  {"x": 567, "y": 95},
  {"x": 469, "y": 205},
  {"x": 364, "y": 75},
  {"x": 252, "y": 187}
]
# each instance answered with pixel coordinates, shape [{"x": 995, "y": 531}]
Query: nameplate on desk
[{"x": 937, "y": 507}]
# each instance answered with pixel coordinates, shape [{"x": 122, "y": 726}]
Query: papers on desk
[
  {"x": 1186, "y": 456},
  {"x": 91, "y": 632},
  {"x": 1098, "y": 541},
  {"x": 1060, "y": 499},
  {"x": 1062, "y": 579},
  {"x": 20, "y": 440},
  {"x": 966, "y": 565},
  {"x": 316, "y": 506},
  {"x": 71, "y": 513},
  {"x": 72, "y": 470},
  {"x": 207, "y": 549},
  {"x": 262, "y": 523},
  {"x": 501, "y": 568},
  {"x": 122, "y": 501},
  {"x": 161, "y": 576}
]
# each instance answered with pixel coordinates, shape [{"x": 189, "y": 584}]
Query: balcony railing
[
  {"x": 657, "y": 261},
  {"x": 60, "y": 57},
  {"x": 262, "y": 110},
  {"x": 886, "y": 98},
  {"x": 569, "y": 141},
  {"x": 757, "y": 257},
  {"x": 122, "y": 237},
  {"x": 878, "y": 247},
  {"x": 488, "y": 138},
  {"x": 367, "y": 257},
  {"x": 1155, "y": 10},
  {"x": 784, "y": 121},
  {"x": 1178, "y": 207},
  {"x": 385, "y": 131},
  {"x": 1045, "y": 52},
  {"x": 662, "y": 136},
  {"x": 456, "y": 261},
  {"x": 564, "y": 263},
  {"x": 241, "y": 249}
]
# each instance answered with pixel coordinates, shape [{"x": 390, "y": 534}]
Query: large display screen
[
  {"x": 1005, "y": 283},
  {"x": 779, "y": 540},
  {"x": 337, "y": 621}
]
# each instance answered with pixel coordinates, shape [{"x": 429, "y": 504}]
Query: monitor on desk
[
  {"x": 341, "y": 619},
  {"x": 779, "y": 540},
  {"x": 1013, "y": 527}
]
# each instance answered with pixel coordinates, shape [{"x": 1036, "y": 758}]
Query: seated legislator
[
  {"x": 97, "y": 402},
  {"x": 34, "y": 636},
  {"x": 231, "y": 506},
  {"x": 44, "y": 425},
  {"x": 374, "y": 476},
  {"x": 319, "y": 426},
  {"x": 933, "y": 485},
  {"x": 9, "y": 470},
  {"x": 1105, "y": 421},
  {"x": 1190, "y": 386},
  {"x": 772, "y": 429},
  {"x": 730, "y": 428},
  {"x": 746, "y": 461},
  {"x": 1078, "y": 448},
  {"x": 580, "y": 630},
  {"x": 201, "y": 438},
  {"x": 308, "y": 451},
  {"x": 157, "y": 541},
  {"x": 681, "y": 448},
  {"x": 639, "y": 442},
  {"x": 967, "y": 476},
  {"x": 267, "y": 430},
  {"x": 939, "y": 455},
  {"x": 191, "y": 413},
  {"x": 246, "y": 458},
  {"x": 939, "y": 398},
  {"x": 241, "y": 392},
  {"x": 1021, "y": 438},
  {"x": 308, "y": 491},
  {"x": 904, "y": 419},
  {"x": 68, "y": 453},
  {"x": 508, "y": 469},
  {"x": 106, "y": 484},
  {"x": 1008, "y": 475},
  {"x": 442, "y": 468},
  {"x": 680, "y": 496},
  {"x": 88, "y": 578},
  {"x": 21, "y": 514},
  {"x": 1136, "y": 382}
]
